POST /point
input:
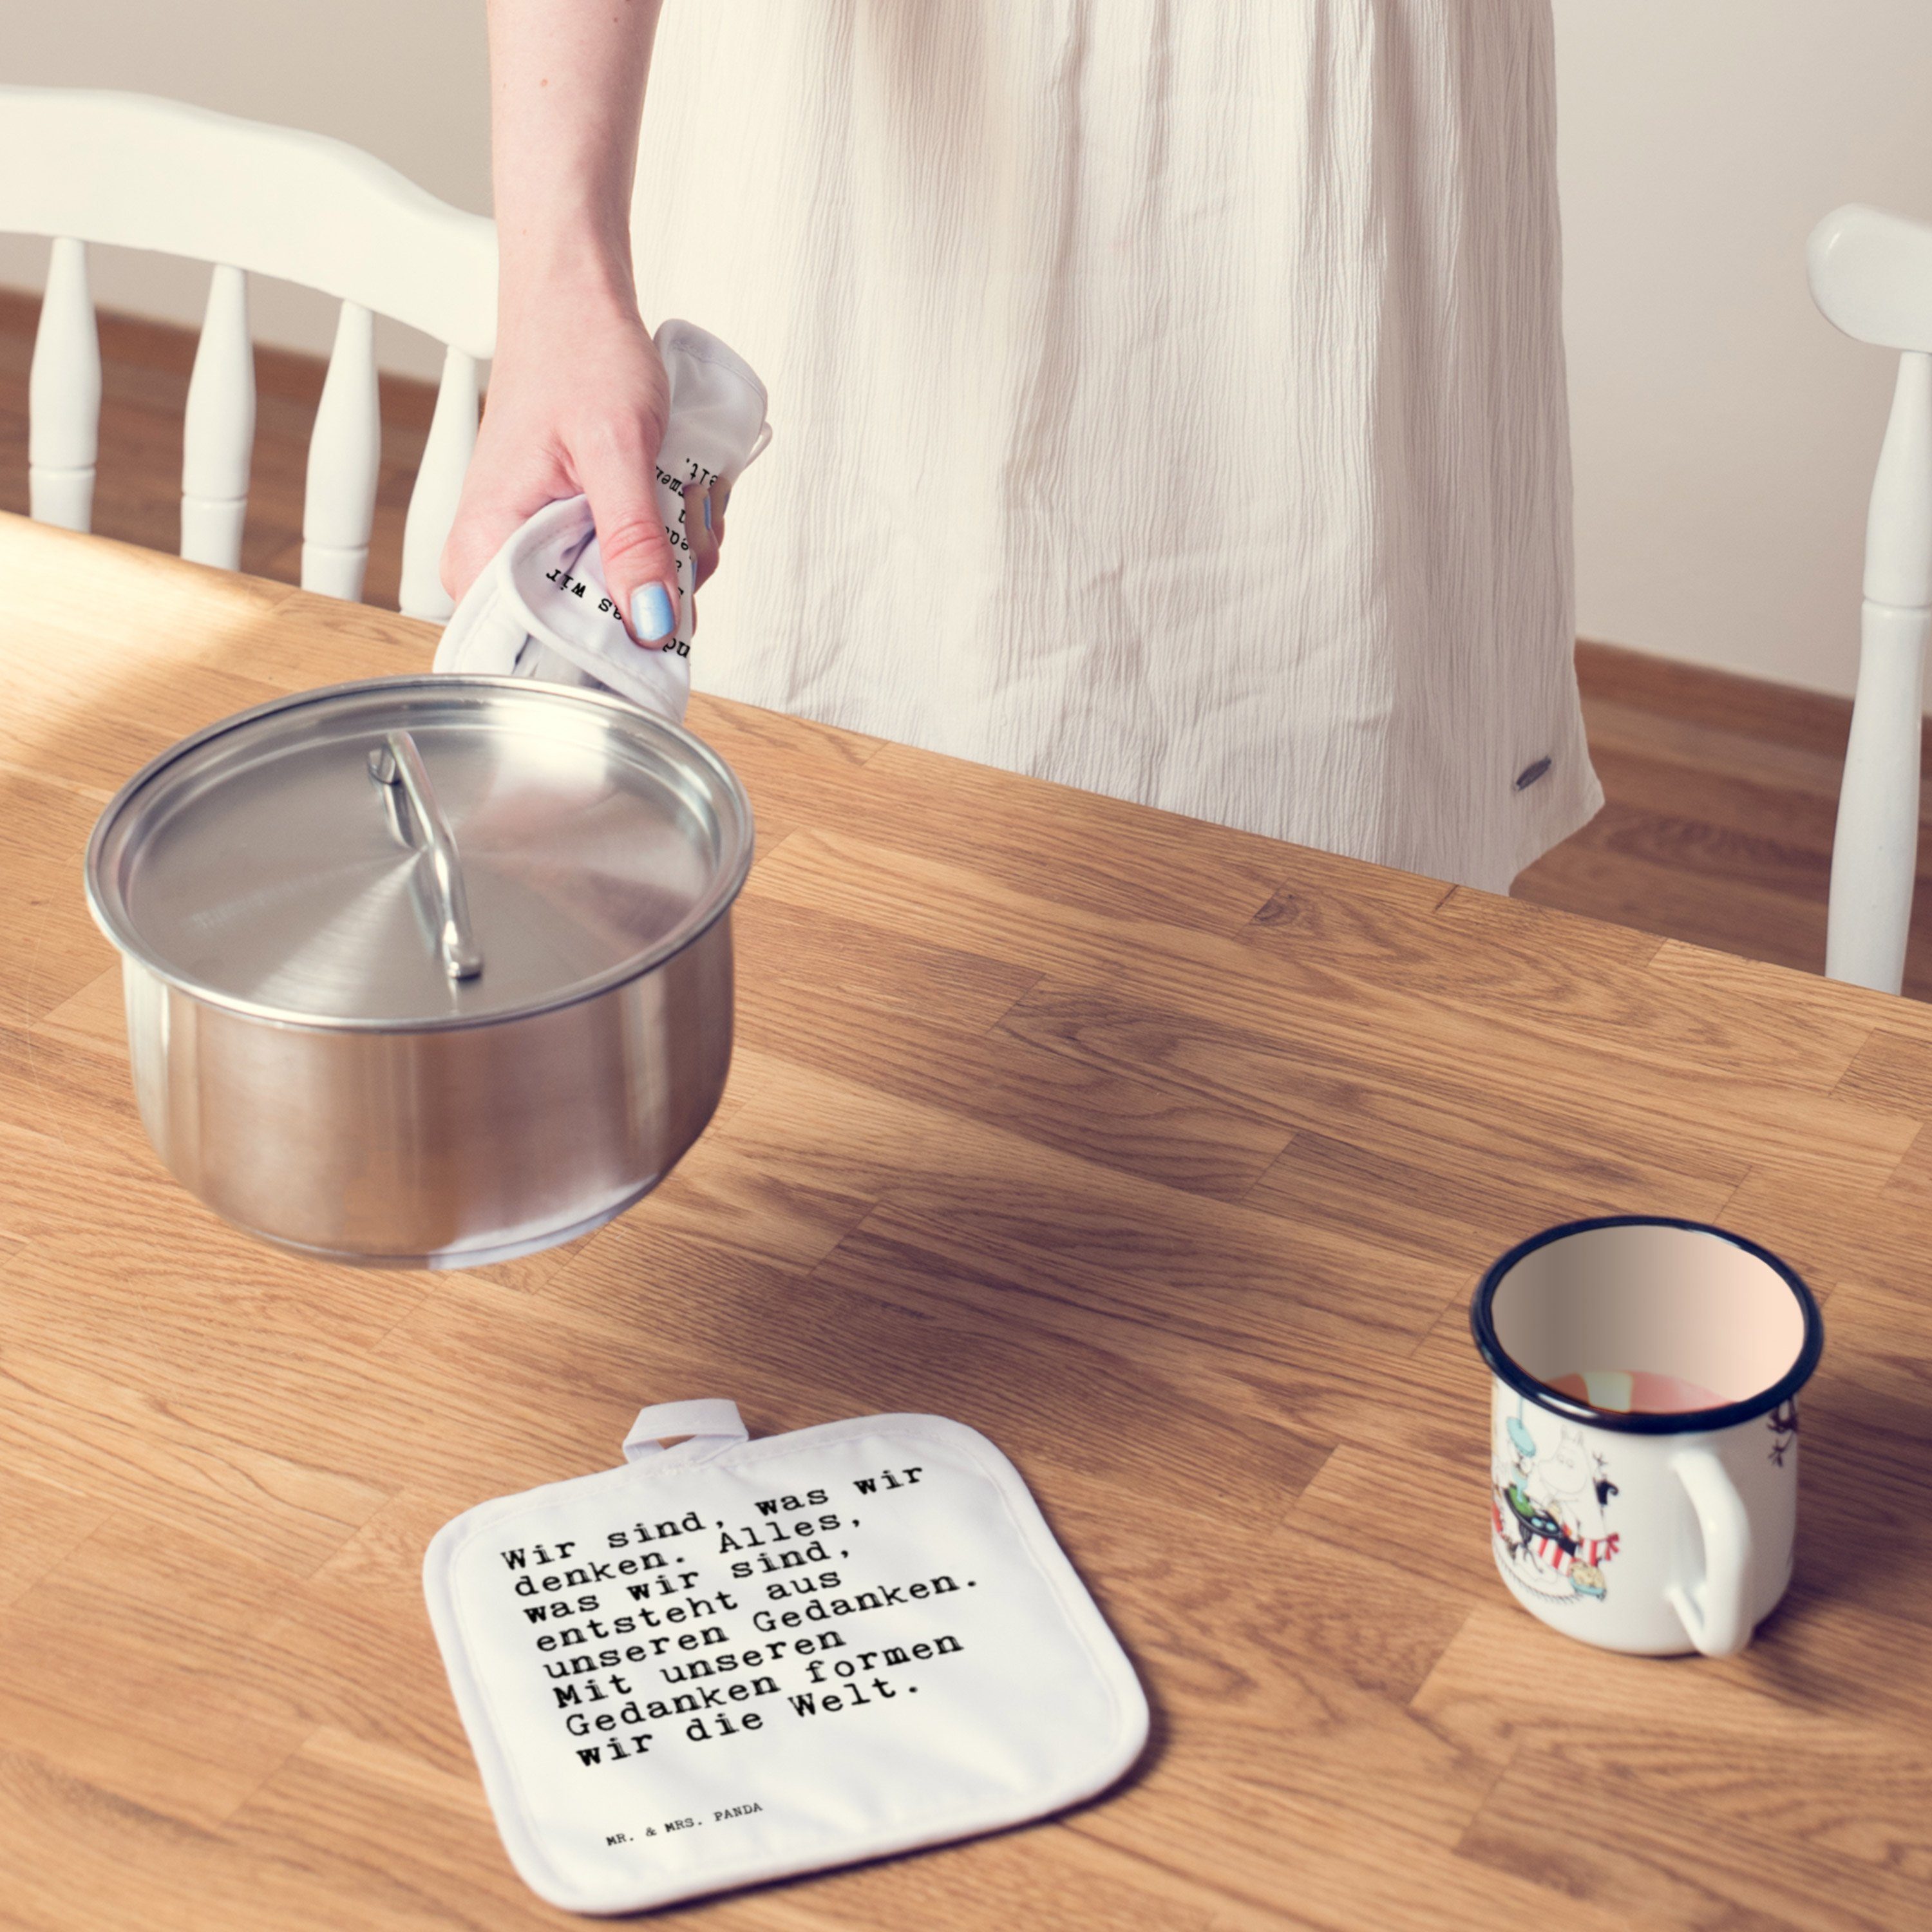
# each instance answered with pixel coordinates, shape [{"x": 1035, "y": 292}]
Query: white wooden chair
[
  {"x": 1871, "y": 274},
  {"x": 130, "y": 171}
]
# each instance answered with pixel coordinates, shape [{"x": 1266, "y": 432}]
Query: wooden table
[{"x": 1165, "y": 1155}]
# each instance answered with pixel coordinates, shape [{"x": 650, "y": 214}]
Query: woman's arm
[{"x": 577, "y": 396}]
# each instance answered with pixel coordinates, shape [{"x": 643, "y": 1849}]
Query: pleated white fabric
[{"x": 1170, "y": 397}]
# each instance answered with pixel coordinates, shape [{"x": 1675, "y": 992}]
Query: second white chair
[
  {"x": 130, "y": 171},
  {"x": 1871, "y": 274}
]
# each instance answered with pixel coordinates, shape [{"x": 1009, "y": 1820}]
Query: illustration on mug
[{"x": 1548, "y": 1505}]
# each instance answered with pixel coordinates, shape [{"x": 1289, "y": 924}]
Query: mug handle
[{"x": 1715, "y": 1614}]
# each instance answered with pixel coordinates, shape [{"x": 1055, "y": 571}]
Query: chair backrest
[
  {"x": 130, "y": 171},
  {"x": 1871, "y": 275}
]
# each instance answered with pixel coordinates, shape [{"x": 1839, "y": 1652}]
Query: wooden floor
[
  {"x": 1722, "y": 793},
  {"x": 1721, "y": 790}
]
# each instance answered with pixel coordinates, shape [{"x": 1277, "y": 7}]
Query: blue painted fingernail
[{"x": 651, "y": 616}]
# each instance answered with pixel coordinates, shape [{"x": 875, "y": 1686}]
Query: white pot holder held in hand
[
  {"x": 731, "y": 1661},
  {"x": 541, "y": 609}
]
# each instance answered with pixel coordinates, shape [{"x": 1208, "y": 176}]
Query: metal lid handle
[{"x": 400, "y": 762}]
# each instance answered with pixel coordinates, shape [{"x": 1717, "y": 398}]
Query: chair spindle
[
  {"x": 218, "y": 432},
  {"x": 64, "y": 395},
  {"x": 1875, "y": 849},
  {"x": 445, "y": 459},
  {"x": 344, "y": 455}
]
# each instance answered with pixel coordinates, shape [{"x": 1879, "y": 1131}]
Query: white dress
[{"x": 1167, "y": 399}]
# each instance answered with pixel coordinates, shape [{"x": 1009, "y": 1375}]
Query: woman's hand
[
  {"x": 577, "y": 403},
  {"x": 577, "y": 394}
]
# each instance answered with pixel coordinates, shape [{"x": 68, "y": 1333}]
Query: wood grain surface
[
  {"x": 1165, "y": 1155},
  {"x": 1721, "y": 791}
]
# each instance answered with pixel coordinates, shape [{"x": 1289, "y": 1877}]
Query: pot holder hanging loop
[{"x": 711, "y": 1423}]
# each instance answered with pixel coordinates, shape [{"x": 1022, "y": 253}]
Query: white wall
[
  {"x": 405, "y": 79},
  {"x": 1725, "y": 434}
]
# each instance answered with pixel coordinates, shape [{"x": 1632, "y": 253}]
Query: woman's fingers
[
  {"x": 498, "y": 498},
  {"x": 474, "y": 537},
  {"x": 578, "y": 401},
  {"x": 703, "y": 528},
  {"x": 618, "y": 473}
]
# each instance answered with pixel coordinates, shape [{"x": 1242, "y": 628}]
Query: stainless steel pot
[{"x": 426, "y": 972}]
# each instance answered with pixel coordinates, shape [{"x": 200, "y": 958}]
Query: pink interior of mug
[{"x": 1654, "y": 1299}]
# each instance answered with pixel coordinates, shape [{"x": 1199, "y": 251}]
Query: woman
[{"x": 1169, "y": 399}]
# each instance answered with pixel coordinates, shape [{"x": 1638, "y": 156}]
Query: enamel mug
[{"x": 1643, "y": 1473}]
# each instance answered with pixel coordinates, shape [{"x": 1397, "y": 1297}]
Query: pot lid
[{"x": 419, "y": 851}]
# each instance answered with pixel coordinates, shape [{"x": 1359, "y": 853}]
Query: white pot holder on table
[{"x": 731, "y": 1661}]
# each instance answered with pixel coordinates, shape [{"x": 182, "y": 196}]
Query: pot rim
[
  {"x": 1678, "y": 1422},
  {"x": 715, "y": 905}
]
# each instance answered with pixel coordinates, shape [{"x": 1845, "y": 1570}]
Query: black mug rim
[{"x": 1684, "y": 1422}]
